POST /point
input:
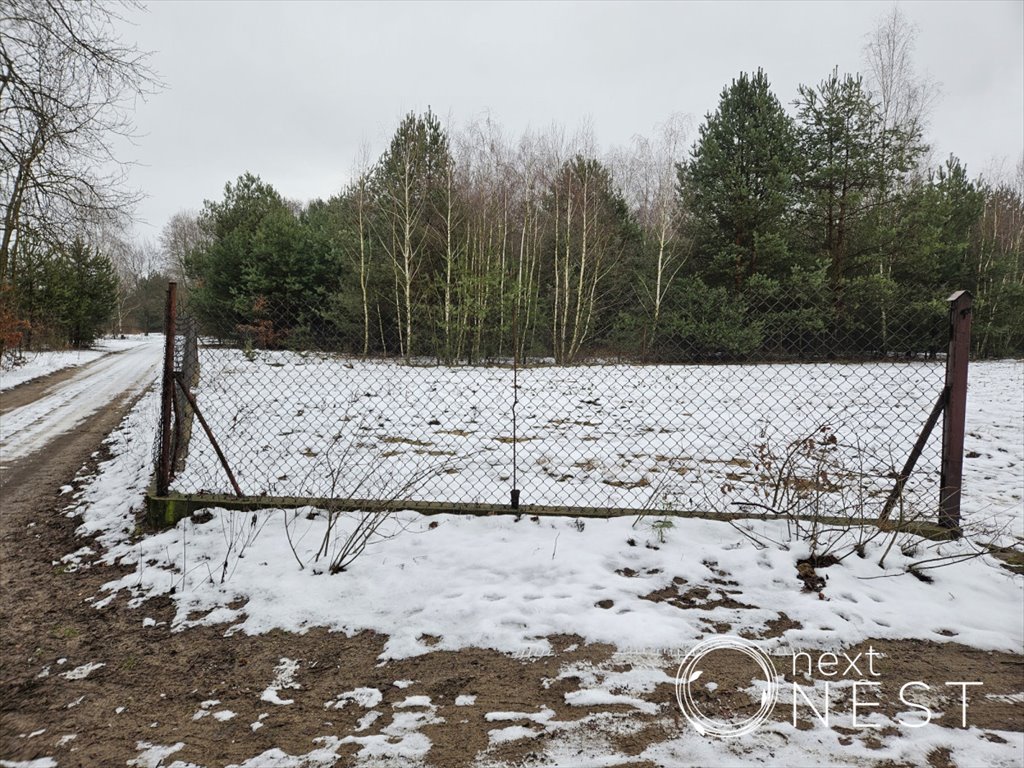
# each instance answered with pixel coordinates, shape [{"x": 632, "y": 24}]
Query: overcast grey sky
[{"x": 290, "y": 90}]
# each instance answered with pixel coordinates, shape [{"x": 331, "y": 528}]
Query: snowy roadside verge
[{"x": 108, "y": 501}]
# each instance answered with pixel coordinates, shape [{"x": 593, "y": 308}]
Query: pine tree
[
  {"x": 739, "y": 179},
  {"x": 264, "y": 270},
  {"x": 852, "y": 164},
  {"x": 89, "y": 293}
]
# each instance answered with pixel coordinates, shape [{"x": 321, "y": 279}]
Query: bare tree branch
[{"x": 68, "y": 86}]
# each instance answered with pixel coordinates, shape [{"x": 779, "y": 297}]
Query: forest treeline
[
  {"x": 819, "y": 227},
  {"x": 771, "y": 233}
]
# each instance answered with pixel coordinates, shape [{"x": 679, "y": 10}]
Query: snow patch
[
  {"x": 152, "y": 755},
  {"x": 599, "y": 698},
  {"x": 512, "y": 733},
  {"x": 414, "y": 701},
  {"x": 538, "y": 717},
  {"x": 367, "y": 698},
  {"x": 285, "y": 678},
  {"x": 82, "y": 672}
]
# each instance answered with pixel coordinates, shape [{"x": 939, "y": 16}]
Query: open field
[{"x": 682, "y": 437}]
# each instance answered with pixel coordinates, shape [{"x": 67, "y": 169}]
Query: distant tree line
[
  {"x": 821, "y": 228},
  {"x": 772, "y": 235}
]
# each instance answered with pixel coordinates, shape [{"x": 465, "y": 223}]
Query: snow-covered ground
[
  {"x": 34, "y": 365},
  {"x": 29, "y": 428},
  {"x": 993, "y": 493},
  {"x": 450, "y": 582},
  {"x": 495, "y": 582},
  {"x": 681, "y": 437}
]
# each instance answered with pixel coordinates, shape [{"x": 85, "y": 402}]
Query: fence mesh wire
[{"x": 791, "y": 407}]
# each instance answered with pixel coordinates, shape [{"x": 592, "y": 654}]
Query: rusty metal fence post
[
  {"x": 163, "y": 469},
  {"x": 955, "y": 417},
  {"x": 187, "y": 362}
]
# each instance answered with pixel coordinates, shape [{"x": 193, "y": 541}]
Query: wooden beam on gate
[
  {"x": 168, "y": 510},
  {"x": 955, "y": 417}
]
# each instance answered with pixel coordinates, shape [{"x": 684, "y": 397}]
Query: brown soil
[{"x": 160, "y": 678}]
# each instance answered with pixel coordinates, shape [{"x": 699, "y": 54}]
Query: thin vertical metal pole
[
  {"x": 514, "y": 494},
  {"x": 163, "y": 470},
  {"x": 955, "y": 418}
]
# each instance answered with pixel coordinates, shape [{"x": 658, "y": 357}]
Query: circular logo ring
[{"x": 687, "y": 674}]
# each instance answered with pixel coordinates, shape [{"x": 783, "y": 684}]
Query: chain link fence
[{"x": 787, "y": 405}]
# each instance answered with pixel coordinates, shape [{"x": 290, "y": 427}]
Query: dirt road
[{"x": 35, "y": 413}]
